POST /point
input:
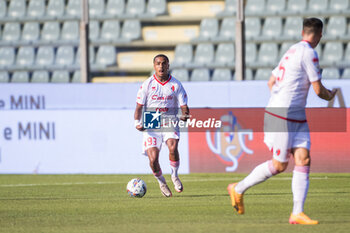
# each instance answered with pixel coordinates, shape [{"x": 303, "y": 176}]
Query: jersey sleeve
[
  {"x": 182, "y": 95},
  {"x": 142, "y": 94},
  {"x": 311, "y": 65},
  {"x": 275, "y": 71}
]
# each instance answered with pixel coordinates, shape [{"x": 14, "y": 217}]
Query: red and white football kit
[
  {"x": 285, "y": 122},
  {"x": 165, "y": 97}
]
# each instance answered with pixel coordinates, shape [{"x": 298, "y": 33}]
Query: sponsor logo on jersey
[{"x": 156, "y": 97}]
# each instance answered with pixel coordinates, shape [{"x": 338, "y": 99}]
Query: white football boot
[{"x": 177, "y": 184}]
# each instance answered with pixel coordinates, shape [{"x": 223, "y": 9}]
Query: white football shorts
[
  {"x": 156, "y": 139},
  {"x": 282, "y": 135}
]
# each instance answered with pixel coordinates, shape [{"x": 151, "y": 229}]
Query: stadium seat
[
  {"x": 252, "y": 27},
  {"x": 96, "y": 8},
  {"x": 248, "y": 74},
  {"x": 225, "y": 54},
  {"x": 40, "y": 76},
  {"x": 4, "y": 76},
  {"x": 272, "y": 28},
  {"x": 268, "y": 53},
  {"x": 250, "y": 53},
  {"x": 36, "y": 8},
  {"x": 347, "y": 53},
  {"x": 336, "y": 27},
  {"x": 275, "y": 6},
  {"x": 60, "y": 76},
  {"x": 25, "y": 56},
  {"x": 345, "y": 75},
  {"x": 76, "y": 77},
  {"x": 156, "y": 7},
  {"x": 115, "y": 7},
  {"x": 296, "y": 6},
  {"x": 292, "y": 28},
  {"x": 202, "y": 9},
  {"x": 183, "y": 55},
  {"x": 64, "y": 55},
  {"x": 346, "y": 60},
  {"x": 332, "y": 53},
  {"x": 337, "y": 6},
  {"x": 284, "y": 47},
  {"x": 106, "y": 55},
  {"x": 70, "y": 31},
  {"x": 204, "y": 54},
  {"x": 94, "y": 30},
  {"x": 330, "y": 73},
  {"x": 31, "y": 31},
  {"x": 73, "y": 8},
  {"x": 3, "y": 9},
  {"x": 135, "y": 7},
  {"x": 222, "y": 74},
  {"x": 174, "y": 33},
  {"x": 16, "y": 9},
  {"x": 317, "y": 6},
  {"x": 45, "y": 56},
  {"x": 50, "y": 31},
  {"x": 91, "y": 56},
  {"x": 208, "y": 29},
  {"x": 201, "y": 75},
  {"x": 181, "y": 74},
  {"x": 263, "y": 74},
  {"x": 20, "y": 77},
  {"x": 227, "y": 30},
  {"x": 7, "y": 56},
  {"x": 55, "y": 8},
  {"x": 142, "y": 60},
  {"x": 110, "y": 30},
  {"x": 11, "y": 32},
  {"x": 131, "y": 29},
  {"x": 230, "y": 8},
  {"x": 254, "y": 6}
]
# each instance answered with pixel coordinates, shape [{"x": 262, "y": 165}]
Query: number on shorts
[{"x": 152, "y": 141}]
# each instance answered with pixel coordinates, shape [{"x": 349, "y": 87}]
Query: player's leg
[
  {"x": 174, "y": 158},
  {"x": 300, "y": 186},
  {"x": 277, "y": 139},
  {"x": 152, "y": 145}
]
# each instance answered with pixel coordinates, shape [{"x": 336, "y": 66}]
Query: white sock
[
  {"x": 174, "y": 167},
  {"x": 159, "y": 176},
  {"x": 300, "y": 187},
  {"x": 260, "y": 173}
]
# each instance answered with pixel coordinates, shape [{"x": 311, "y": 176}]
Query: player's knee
[
  {"x": 303, "y": 162},
  {"x": 279, "y": 166}
]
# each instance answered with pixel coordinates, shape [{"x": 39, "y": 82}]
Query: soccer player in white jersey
[
  {"x": 166, "y": 94},
  {"x": 285, "y": 126}
]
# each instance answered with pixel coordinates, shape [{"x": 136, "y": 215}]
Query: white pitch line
[{"x": 110, "y": 182}]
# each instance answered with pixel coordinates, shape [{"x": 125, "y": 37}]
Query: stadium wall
[{"x": 88, "y": 128}]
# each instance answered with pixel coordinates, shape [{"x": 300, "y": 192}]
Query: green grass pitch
[{"x": 99, "y": 203}]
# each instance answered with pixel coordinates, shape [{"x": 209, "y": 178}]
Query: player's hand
[
  {"x": 140, "y": 128},
  {"x": 185, "y": 117},
  {"x": 332, "y": 93}
]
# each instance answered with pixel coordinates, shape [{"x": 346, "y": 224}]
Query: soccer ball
[{"x": 136, "y": 188}]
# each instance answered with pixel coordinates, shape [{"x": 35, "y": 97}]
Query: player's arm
[
  {"x": 323, "y": 92},
  {"x": 271, "y": 82},
  {"x": 185, "y": 113},
  {"x": 137, "y": 117}
]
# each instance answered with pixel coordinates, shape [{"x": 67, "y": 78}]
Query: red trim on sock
[
  {"x": 158, "y": 174},
  {"x": 303, "y": 169},
  {"x": 272, "y": 169}
]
